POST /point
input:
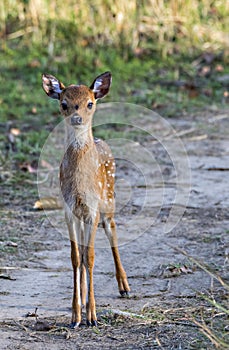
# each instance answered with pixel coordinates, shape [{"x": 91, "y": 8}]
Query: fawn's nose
[{"x": 76, "y": 120}]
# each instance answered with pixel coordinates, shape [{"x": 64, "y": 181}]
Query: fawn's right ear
[{"x": 52, "y": 86}]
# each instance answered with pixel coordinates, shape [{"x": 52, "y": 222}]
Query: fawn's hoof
[
  {"x": 124, "y": 293},
  {"x": 74, "y": 325},
  {"x": 92, "y": 323}
]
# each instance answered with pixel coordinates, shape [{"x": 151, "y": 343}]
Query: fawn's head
[{"x": 77, "y": 102}]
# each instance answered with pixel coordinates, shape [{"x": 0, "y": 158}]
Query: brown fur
[{"x": 87, "y": 184}]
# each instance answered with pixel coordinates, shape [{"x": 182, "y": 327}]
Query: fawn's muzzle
[{"x": 76, "y": 120}]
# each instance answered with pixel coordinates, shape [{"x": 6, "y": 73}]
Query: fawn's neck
[{"x": 78, "y": 137}]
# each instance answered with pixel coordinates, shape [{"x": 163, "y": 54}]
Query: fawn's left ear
[
  {"x": 52, "y": 86},
  {"x": 101, "y": 85}
]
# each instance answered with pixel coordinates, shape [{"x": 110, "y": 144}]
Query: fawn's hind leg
[{"x": 110, "y": 230}]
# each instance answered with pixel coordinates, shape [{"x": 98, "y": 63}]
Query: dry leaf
[
  {"x": 219, "y": 68},
  {"x": 48, "y": 203},
  {"x": 15, "y": 131},
  {"x": 45, "y": 164},
  {"x": 32, "y": 314}
]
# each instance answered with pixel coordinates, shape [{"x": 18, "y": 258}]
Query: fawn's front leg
[
  {"x": 76, "y": 263},
  {"x": 89, "y": 257},
  {"x": 76, "y": 300},
  {"x": 83, "y": 284}
]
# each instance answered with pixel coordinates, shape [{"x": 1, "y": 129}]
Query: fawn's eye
[
  {"x": 76, "y": 107},
  {"x": 90, "y": 105},
  {"x": 64, "y": 105}
]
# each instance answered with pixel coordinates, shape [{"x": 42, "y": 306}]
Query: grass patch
[
  {"x": 170, "y": 57},
  {"x": 171, "y": 87},
  {"x": 131, "y": 28}
]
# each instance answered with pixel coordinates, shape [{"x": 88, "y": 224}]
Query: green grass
[
  {"x": 156, "y": 55},
  {"x": 131, "y": 27},
  {"x": 149, "y": 82},
  {"x": 150, "y": 50}
]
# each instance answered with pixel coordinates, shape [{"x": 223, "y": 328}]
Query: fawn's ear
[
  {"x": 101, "y": 85},
  {"x": 52, "y": 86}
]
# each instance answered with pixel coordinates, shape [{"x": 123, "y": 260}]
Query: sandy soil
[{"x": 168, "y": 290}]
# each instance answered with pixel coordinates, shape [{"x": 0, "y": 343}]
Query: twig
[
  {"x": 218, "y": 342},
  {"x": 36, "y": 182},
  {"x": 198, "y": 137},
  {"x": 21, "y": 326},
  {"x": 175, "y": 135},
  {"x": 125, "y": 313},
  {"x": 114, "y": 338},
  {"x": 20, "y": 32},
  {"x": 158, "y": 341},
  {"x": 190, "y": 309},
  {"x": 181, "y": 133},
  {"x": 218, "y": 117},
  {"x": 217, "y": 169},
  {"x": 7, "y": 277},
  {"x": 212, "y": 274},
  {"x": 214, "y": 303}
]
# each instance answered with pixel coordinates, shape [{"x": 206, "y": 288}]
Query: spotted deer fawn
[{"x": 87, "y": 175}]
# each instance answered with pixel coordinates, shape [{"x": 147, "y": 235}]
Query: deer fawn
[{"x": 87, "y": 175}]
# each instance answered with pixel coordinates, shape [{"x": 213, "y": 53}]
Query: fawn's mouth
[{"x": 76, "y": 120}]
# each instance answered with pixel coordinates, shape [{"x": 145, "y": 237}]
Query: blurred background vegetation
[{"x": 168, "y": 55}]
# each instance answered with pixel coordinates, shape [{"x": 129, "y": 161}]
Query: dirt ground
[{"x": 176, "y": 302}]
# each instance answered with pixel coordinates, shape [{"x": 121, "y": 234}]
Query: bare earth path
[{"x": 168, "y": 291}]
